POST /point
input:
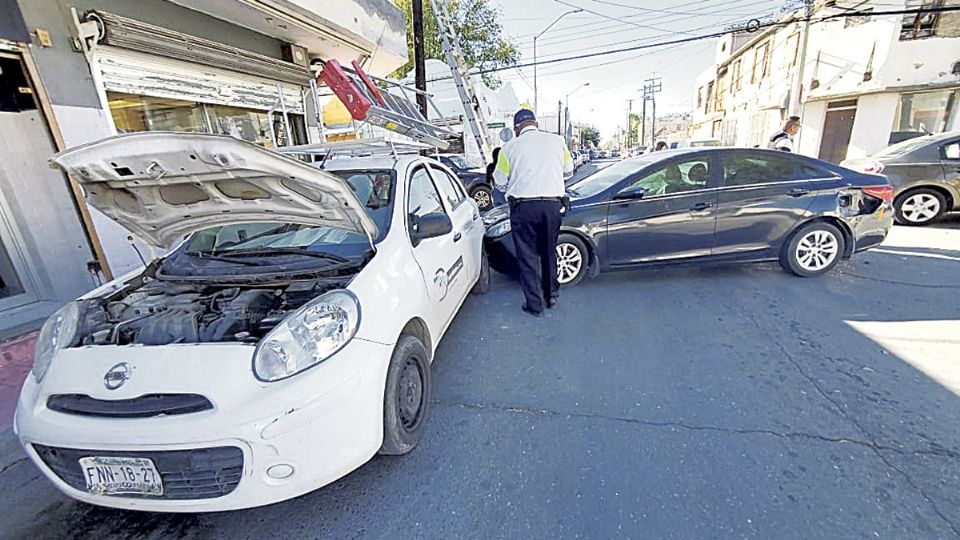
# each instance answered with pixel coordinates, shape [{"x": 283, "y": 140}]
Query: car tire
[
  {"x": 813, "y": 250},
  {"x": 919, "y": 207},
  {"x": 483, "y": 196},
  {"x": 406, "y": 399},
  {"x": 482, "y": 286},
  {"x": 572, "y": 260}
]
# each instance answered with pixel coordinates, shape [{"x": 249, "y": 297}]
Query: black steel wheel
[{"x": 406, "y": 398}]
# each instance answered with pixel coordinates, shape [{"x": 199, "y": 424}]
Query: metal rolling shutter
[{"x": 139, "y": 73}]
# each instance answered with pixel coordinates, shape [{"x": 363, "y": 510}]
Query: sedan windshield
[{"x": 605, "y": 178}]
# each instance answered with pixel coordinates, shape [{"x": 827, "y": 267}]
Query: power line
[{"x": 757, "y": 27}]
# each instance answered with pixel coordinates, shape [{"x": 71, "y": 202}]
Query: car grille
[
  {"x": 204, "y": 473},
  {"x": 139, "y": 407}
]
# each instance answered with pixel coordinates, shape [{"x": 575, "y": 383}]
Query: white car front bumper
[{"x": 320, "y": 424}]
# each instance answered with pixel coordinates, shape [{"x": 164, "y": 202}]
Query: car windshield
[
  {"x": 903, "y": 148},
  {"x": 604, "y": 178},
  {"x": 461, "y": 162},
  {"x": 240, "y": 243}
]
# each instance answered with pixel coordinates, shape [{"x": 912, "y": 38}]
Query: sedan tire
[
  {"x": 813, "y": 250},
  {"x": 482, "y": 286},
  {"x": 572, "y": 260},
  {"x": 483, "y": 196},
  {"x": 920, "y": 206},
  {"x": 406, "y": 399}
]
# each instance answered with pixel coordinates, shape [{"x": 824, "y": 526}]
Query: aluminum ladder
[
  {"x": 473, "y": 112},
  {"x": 391, "y": 110}
]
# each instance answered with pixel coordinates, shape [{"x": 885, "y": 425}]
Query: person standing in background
[
  {"x": 783, "y": 139},
  {"x": 530, "y": 171}
]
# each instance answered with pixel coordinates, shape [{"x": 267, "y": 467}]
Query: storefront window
[
  {"x": 133, "y": 113},
  {"x": 928, "y": 112}
]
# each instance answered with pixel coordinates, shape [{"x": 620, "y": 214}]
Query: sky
[{"x": 616, "y": 78}]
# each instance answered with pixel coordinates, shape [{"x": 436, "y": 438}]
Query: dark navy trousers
[{"x": 536, "y": 225}]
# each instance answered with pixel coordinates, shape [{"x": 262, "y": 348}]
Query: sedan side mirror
[
  {"x": 430, "y": 226},
  {"x": 631, "y": 193}
]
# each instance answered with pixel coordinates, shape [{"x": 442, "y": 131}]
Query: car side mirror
[
  {"x": 631, "y": 193},
  {"x": 430, "y": 226}
]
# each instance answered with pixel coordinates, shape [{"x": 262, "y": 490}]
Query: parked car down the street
[
  {"x": 283, "y": 342},
  {"x": 681, "y": 206},
  {"x": 924, "y": 172},
  {"x": 474, "y": 179}
]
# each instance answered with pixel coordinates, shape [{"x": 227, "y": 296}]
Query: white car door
[
  {"x": 466, "y": 222},
  {"x": 441, "y": 258}
]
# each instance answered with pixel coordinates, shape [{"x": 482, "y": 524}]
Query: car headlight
[
  {"x": 499, "y": 229},
  {"x": 308, "y": 336},
  {"x": 57, "y": 333}
]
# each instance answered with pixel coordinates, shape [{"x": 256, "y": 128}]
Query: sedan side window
[
  {"x": 676, "y": 177},
  {"x": 423, "y": 199},
  {"x": 952, "y": 151},
  {"x": 749, "y": 169}
]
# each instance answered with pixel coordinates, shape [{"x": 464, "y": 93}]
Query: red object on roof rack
[{"x": 342, "y": 85}]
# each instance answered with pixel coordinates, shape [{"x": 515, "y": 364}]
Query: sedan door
[
  {"x": 668, "y": 213},
  {"x": 763, "y": 197},
  {"x": 441, "y": 258}
]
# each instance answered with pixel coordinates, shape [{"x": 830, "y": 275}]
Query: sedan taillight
[{"x": 884, "y": 193}]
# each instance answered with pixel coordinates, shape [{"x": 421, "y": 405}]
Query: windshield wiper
[
  {"x": 288, "y": 251},
  {"x": 202, "y": 255}
]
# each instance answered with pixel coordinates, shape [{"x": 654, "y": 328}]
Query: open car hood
[{"x": 162, "y": 186}]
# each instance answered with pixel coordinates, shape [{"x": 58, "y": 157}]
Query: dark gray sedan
[
  {"x": 925, "y": 174},
  {"x": 716, "y": 204}
]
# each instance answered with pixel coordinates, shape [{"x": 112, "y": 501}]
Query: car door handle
[
  {"x": 457, "y": 237},
  {"x": 700, "y": 207},
  {"x": 798, "y": 192}
]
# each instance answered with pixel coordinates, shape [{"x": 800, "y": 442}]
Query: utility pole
[
  {"x": 797, "y": 84},
  {"x": 559, "y": 113},
  {"x": 419, "y": 56},
  {"x": 651, "y": 87},
  {"x": 629, "y": 114},
  {"x": 643, "y": 123}
]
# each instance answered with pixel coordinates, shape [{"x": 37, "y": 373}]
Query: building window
[
  {"x": 927, "y": 112},
  {"x": 15, "y": 92},
  {"x": 919, "y": 25},
  {"x": 709, "y": 98},
  {"x": 737, "y": 77},
  {"x": 133, "y": 113},
  {"x": 761, "y": 63},
  {"x": 9, "y": 281},
  {"x": 699, "y": 97},
  {"x": 720, "y": 94},
  {"x": 793, "y": 48}
]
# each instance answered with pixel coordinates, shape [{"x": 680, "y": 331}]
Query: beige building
[{"x": 868, "y": 79}]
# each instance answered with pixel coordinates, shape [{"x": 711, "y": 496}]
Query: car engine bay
[{"x": 156, "y": 312}]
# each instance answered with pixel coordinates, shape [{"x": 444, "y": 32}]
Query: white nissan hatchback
[{"x": 282, "y": 342}]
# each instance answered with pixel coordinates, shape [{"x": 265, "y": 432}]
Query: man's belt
[{"x": 514, "y": 200}]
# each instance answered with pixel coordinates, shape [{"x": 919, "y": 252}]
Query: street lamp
[
  {"x": 566, "y": 108},
  {"x": 535, "y": 38}
]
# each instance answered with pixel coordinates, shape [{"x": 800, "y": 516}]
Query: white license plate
[{"x": 121, "y": 475}]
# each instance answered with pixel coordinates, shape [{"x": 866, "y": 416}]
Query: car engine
[{"x": 158, "y": 312}]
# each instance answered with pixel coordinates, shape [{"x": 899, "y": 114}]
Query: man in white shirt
[
  {"x": 783, "y": 139},
  {"x": 530, "y": 170}
]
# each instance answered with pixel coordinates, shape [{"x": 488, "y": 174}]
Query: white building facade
[{"x": 868, "y": 79}]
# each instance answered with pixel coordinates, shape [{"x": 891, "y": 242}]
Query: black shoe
[{"x": 537, "y": 314}]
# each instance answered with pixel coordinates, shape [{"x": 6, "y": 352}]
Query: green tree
[
  {"x": 590, "y": 135},
  {"x": 479, "y": 32}
]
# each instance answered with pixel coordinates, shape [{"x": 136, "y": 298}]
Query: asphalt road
[{"x": 731, "y": 401}]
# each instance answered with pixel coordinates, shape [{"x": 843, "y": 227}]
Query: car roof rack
[{"x": 359, "y": 148}]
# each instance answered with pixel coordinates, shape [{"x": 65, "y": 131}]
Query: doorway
[{"x": 837, "y": 127}]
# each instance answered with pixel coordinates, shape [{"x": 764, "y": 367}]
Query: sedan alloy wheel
[
  {"x": 920, "y": 207},
  {"x": 817, "y": 250}
]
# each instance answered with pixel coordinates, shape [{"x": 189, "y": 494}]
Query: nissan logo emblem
[{"x": 116, "y": 376}]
